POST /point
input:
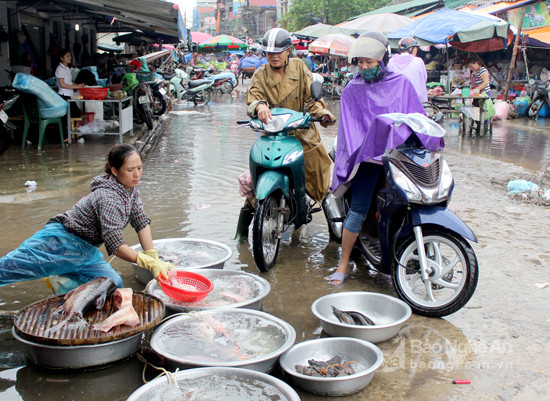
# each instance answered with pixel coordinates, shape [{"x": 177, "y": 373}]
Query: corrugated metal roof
[{"x": 148, "y": 15}]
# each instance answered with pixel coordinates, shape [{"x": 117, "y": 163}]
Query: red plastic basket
[
  {"x": 202, "y": 285},
  {"x": 94, "y": 93}
]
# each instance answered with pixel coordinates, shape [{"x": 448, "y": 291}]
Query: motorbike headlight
[
  {"x": 296, "y": 124},
  {"x": 446, "y": 181},
  {"x": 402, "y": 181},
  {"x": 277, "y": 123}
]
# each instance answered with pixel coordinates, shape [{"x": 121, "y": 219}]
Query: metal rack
[{"x": 123, "y": 114}]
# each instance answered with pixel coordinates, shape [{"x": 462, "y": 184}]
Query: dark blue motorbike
[{"x": 410, "y": 233}]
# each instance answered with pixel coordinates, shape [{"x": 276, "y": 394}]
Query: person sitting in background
[
  {"x": 66, "y": 85},
  {"x": 63, "y": 75},
  {"x": 408, "y": 64}
]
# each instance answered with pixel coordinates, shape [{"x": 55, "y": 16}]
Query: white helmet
[{"x": 367, "y": 47}]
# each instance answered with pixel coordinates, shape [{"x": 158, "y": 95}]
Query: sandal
[{"x": 338, "y": 276}]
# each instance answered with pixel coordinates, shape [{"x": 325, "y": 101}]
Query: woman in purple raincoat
[{"x": 373, "y": 91}]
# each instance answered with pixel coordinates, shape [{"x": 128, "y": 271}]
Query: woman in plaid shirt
[{"x": 68, "y": 245}]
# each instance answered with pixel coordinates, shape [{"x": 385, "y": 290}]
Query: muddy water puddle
[{"x": 189, "y": 188}]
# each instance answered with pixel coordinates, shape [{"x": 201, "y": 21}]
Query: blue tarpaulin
[{"x": 464, "y": 30}]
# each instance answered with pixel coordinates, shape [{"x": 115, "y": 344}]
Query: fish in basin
[{"x": 352, "y": 317}]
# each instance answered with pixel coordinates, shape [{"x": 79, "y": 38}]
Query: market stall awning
[
  {"x": 464, "y": 30},
  {"x": 501, "y": 6},
  {"x": 336, "y": 44},
  {"x": 385, "y": 22},
  {"x": 316, "y": 31},
  {"x": 110, "y": 47},
  {"x": 538, "y": 37}
]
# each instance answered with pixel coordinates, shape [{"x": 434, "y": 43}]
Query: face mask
[{"x": 370, "y": 74}]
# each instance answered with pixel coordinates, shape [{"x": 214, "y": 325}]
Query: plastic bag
[
  {"x": 245, "y": 184},
  {"x": 50, "y": 103},
  {"x": 489, "y": 109},
  {"x": 517, "y": 186},
  {"x": 501, "y": 111},
  {"x": 55, "y": 251}
]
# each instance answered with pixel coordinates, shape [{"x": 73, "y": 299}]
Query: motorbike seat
[
  {"x": 198, "y": 82},
  {"x": 168, "y": 76}
]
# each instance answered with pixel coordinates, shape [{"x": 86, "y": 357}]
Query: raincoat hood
[
  {"x": 359, "y": 138},
  {"x": 401, "y": 61}
]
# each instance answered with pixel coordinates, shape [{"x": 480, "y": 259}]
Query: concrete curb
[{"x": 147, "y": 139}]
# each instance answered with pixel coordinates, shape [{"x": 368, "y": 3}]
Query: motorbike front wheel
[
  {"x": 201, "y": 98},
  {"x": 159, "y": 104},
  {"x": 534, "y": 107},
  {"x": 226, "y": 87},
  {"x": 265, "y": 235},
  {"x": 453, "y": 277}
]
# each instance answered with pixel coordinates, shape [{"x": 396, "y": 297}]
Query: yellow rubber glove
[
  {"x": 153, "y": 265},
  {"x": 152, "y": 253}
]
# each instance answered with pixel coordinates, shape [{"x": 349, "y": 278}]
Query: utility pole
[{"x": 514, "y": 54}]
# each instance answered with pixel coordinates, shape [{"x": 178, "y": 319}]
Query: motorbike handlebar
[{"x": 243, "y": 122}]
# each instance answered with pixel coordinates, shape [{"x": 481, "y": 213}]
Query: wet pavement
[{"x": 189, "y": 188}]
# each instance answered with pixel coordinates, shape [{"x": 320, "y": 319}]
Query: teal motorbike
[{"x": 278, "y": 176}]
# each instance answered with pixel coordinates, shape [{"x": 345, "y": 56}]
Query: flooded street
[{"x": 189, "y": 187}]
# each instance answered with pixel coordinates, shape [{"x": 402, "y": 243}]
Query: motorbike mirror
[{"x": 316, "y": 90}]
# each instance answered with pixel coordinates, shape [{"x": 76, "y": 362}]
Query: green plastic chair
[{"x": 33, "y": 117}]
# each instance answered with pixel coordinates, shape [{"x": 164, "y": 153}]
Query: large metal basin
[
  {"x": 230, "y": 337},
  {"x": 227, "y": 384},
  {"x": 388, "y": 314},
  {"x": 191, "y": 253},
  {"x": 257, "y": 288},
  {"x": 366, "y": 358},
  {"x": 80, "y": 356}
]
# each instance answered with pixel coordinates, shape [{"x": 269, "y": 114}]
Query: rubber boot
[{"x": 245, "y": 218}]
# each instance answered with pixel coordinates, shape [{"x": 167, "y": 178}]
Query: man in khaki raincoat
[{"x": 285, "y": 82}]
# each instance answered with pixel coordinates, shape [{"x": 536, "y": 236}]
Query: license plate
[
  {"x": 3, "y": 116},
  {"x": 162, "y": 91},
  {"x": 143, "y": 99}
]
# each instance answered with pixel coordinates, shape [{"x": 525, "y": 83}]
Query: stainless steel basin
[{"x": 388, "y": 314}]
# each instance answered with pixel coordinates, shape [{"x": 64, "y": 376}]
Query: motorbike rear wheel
[
  {"x": 454, "y": 273},
  {"x": 226, "y": 87},
  {"x": 147, "y": 116},
  {"x": 265, "y": 235},
  {"x": 201, "y": 97},
  {"x": 534, "y": 107}
]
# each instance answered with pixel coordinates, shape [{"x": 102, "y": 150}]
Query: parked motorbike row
[
  {"x": 409, "y": 233},
  {"x": 150, "y": 97}
]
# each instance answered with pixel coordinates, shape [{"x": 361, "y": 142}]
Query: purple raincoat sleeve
[{"x": 360, "y": 137}]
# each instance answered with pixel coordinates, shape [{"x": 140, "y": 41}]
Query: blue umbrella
[{"x": 463, "y": 30}]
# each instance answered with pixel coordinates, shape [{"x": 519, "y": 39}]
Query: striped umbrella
[{"x": 222, "y": 42}]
